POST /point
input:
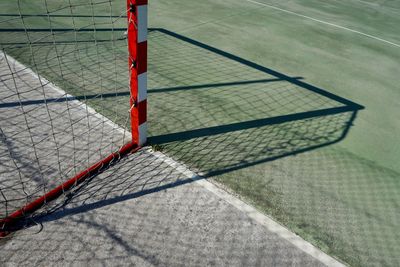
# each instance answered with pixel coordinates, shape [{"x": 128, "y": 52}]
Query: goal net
[{"x": 72, "y": 97}]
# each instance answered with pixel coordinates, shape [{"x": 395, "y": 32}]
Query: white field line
[
  {"x": 368, "y": 3},
  {"x": 252, "y": 213},
  {"x": 324, "y": 22}
]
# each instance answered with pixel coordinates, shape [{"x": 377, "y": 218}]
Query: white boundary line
[
  {"x": 251, "y": 212},
  {"x": 324, "y": 22}
]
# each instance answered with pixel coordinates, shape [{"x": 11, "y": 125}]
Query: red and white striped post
[{"x": 137, "y": 47}]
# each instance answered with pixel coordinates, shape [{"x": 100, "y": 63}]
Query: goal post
[
  {"x": 137, "y": 47},
  {"x": 59, "y": 87}
]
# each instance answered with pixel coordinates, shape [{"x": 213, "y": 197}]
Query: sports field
[
  {"x": 344, "y": 195},
  {"x": 290, "y": 105}
]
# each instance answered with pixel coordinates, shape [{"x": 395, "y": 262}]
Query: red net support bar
[
  {"x": 137, "y": 47},
  {"x": 13, "y": 219}
]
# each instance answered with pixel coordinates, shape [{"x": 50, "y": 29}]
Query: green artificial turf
[{"x": 342, "y": 196}]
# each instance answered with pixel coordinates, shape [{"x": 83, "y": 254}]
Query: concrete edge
[{"x": 251, "y": 212}]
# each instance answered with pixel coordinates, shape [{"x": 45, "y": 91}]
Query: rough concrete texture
[{"x": 142, "y": 212}]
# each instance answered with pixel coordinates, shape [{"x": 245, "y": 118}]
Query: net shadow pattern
[
  {"x": 217, "y": 112},
  {"x": 274, "y": 140}
]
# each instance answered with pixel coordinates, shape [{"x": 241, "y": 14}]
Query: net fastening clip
[{"x": 132, "y": 8}]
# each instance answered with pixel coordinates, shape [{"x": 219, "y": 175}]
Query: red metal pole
[{"x": 137, "y": 47}]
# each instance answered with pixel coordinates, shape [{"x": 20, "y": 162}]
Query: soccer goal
[{"x": 72, "y": 97}]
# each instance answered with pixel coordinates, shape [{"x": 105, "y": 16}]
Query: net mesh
[{"x": 63, "y": 93}]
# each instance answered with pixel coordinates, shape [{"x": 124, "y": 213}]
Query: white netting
[{"x": 64, "y": 92}]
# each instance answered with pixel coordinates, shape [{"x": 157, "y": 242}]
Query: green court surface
[{"x": 290, "y": 105}]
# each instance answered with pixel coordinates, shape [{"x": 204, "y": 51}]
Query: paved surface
[
  {"x": 146, "y": 212},
  {"x": 129, "y": 216}
]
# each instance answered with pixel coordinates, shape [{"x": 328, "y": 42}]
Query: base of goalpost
[{"x": 10, "y": 223}]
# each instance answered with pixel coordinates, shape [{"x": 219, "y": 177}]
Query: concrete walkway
[{"x": 143, "y": 212}]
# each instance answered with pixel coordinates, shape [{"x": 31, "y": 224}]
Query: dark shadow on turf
[
  {"x": 58, "y": 16},
  {"x": 119, "y": 94},
  {"x": 23, "y": 44},
  {"x": 256, "y": 66},
  {"x": 84, "y": 29},
  {"x": 223, "y": 148},
  {"x": 59, "y": 34}
]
